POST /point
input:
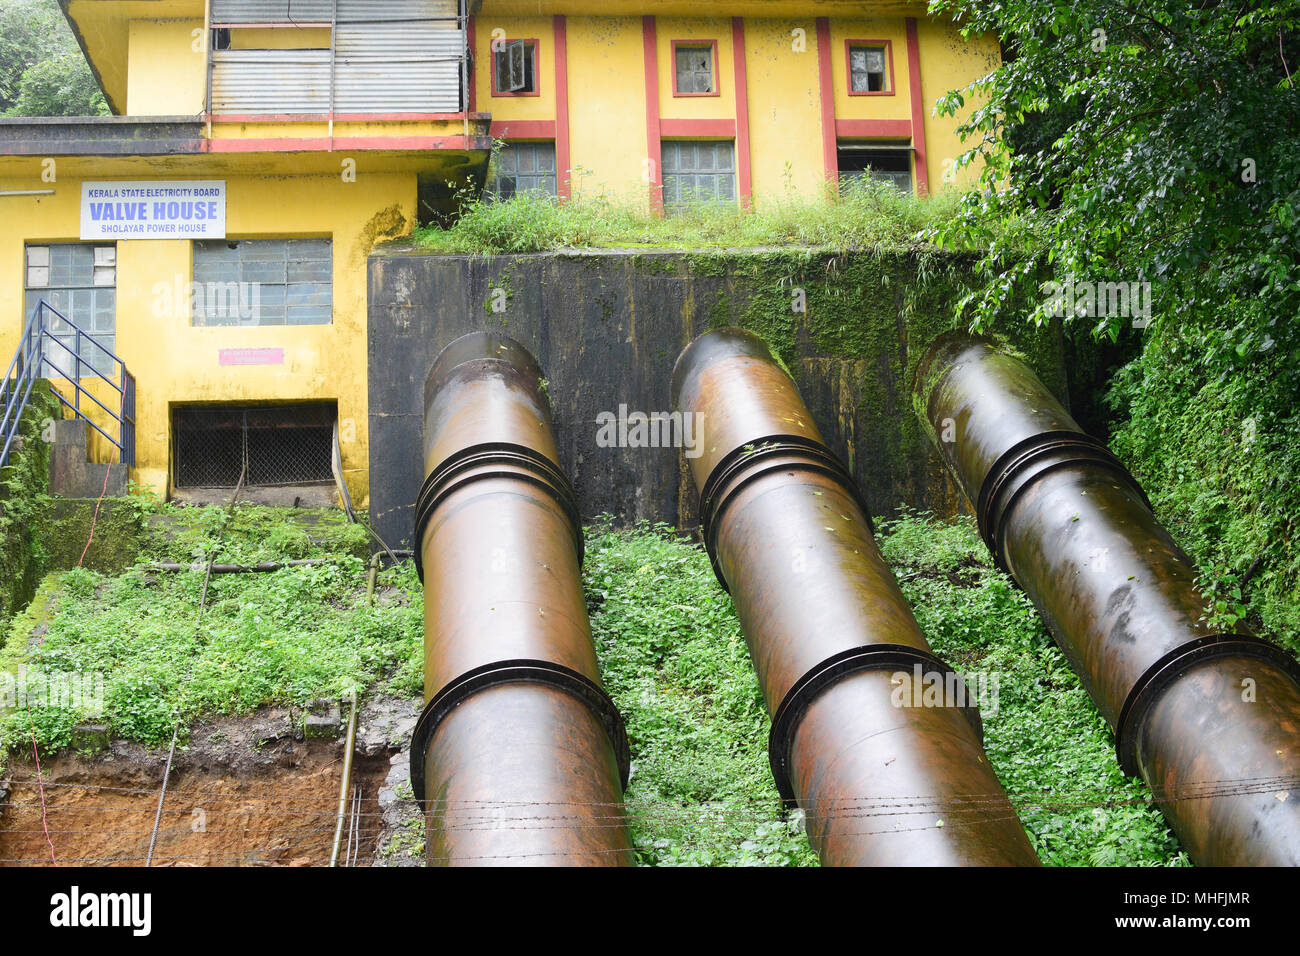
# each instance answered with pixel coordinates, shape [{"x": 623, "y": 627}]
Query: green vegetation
[
  {"x": 1160, "y": 143},
  {"x": 22, "y": 484},
  {"x": 865, "y": 214},
  {"x": 671, "y": 653},
  {"x": 1155, "y": 142},
  {"x": 674, "y": 659},
  {"x": 1216, "y": 450},
  {"x": 1050, "y": 747},
  {"x": 42, "y": 70},
  {"x": 291, "y": 636}
]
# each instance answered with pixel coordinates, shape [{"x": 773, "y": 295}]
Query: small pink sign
[{"x": 250, "y": 356}]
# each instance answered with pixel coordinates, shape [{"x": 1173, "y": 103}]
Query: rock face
[
  {"x": 606, "y": 327},
  {"x": 383, "y": 724}
]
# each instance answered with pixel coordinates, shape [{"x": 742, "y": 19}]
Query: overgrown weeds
[{"x": 863, "y": 214}]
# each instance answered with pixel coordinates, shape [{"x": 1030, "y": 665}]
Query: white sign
[{"x": 153, "y": 210}]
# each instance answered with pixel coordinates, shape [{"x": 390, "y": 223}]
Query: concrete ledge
[{"x": 100, "y": 135}]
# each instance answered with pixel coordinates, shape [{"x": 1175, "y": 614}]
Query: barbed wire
[{"x": 1196, "y": 790}]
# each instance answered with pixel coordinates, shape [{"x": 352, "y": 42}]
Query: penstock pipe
[
  {"x": 886, "y": 773},
  {"x": 519, "y": 757},
  {"x": 1211, "y": 721}
]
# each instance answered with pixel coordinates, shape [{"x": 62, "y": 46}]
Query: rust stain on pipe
[
  {"x": 1210, "y": 720},
  {"x": 882, "y": 779},
  {"x": 519, "y": 756}
]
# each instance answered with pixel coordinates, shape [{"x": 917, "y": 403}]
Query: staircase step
[
  {"x": 71, "y": 433},
  {"x": 71, "y": 475}
]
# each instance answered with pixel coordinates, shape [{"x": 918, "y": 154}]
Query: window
[
  {"x": 523, "y": 168},
  {"x": 79, "y": 280},
  {"x": 269, "y": 444},
  {"x": 514, "y": 68},
  {"x": 263, "y": 282},
  {"x": 694, "y": 64},
  {"x": 886, "y": 162},
  {"x": 870, "y": 67},
  {"x": 697, "y": 172}
]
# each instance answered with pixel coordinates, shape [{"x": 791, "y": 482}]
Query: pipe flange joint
[
  {"x": 1166, "y": 671},
  {"x": 521, "y": 671},
  {"x": 475, "y": 463},
  {"x": 1024, "y": 463},
  {"x": 830, "y": 671},
  {"x": 748, "y": 462}
]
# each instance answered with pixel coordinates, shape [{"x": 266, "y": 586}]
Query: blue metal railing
[{"x": 33, "y": 358}]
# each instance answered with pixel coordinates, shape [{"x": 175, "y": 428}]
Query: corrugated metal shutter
[
  {"x": 321, "y": 11},
  {"x": 378, "y": 11},
  {"x": 270, "y": 81},
  {"x": 391, "y": 68},
  {"x": 390, "y": 56},
  {"x": 272, "y": 11}
]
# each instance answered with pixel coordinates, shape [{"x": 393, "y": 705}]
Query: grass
[
  {"x": 671, "y": 654},
  {"x": 864, "y": 214},
  {"x": 673, "y": 658},
  {"x": 1050, "y": 746},
  {"x": 291, "y": 636}
]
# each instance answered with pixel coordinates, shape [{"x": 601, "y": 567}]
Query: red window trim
[
  {"x": 537, "y": 66},
  {"x": 713, "y": 45},
  {"x": 890, "y": 79},
  {"x": 708, "y": 129}
]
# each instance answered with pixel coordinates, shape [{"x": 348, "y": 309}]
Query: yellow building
[{"x": 212, "y": 234}]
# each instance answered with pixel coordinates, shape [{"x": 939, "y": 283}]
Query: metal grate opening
[{"x": 280, "y": 444}]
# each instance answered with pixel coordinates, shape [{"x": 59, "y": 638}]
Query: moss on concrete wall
[
  {"x": 115, "y": 545},
  {"x": 23, "y": 483},
  {"x": 607, "y": 326}
]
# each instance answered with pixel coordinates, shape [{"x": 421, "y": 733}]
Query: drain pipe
[
  {"x": 886, "y": 774},
  {"x": 1210, "y": 720},
  {"x": 520, "y": 756}
]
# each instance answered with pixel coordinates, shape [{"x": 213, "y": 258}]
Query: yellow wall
[
  {"x": 897, "y": 106},
  {"x": 301, "y": 194},
  {"x": 166, "y": 75},
  {"x": 948, "y": 62},
  {"x": 506, "y": 108},
  {"x": 722, "y": 106},
  {"x": 174, "y": 362},
  {"x": 785, "y": 127},
  {"x": 607, "y": 107},
  {"x": 607, "y": 103}
]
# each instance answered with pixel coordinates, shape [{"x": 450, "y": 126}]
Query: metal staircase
[{"x": 53, "y": 347}]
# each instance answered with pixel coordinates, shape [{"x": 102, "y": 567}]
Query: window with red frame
[
  {"x": 695, "y": 69},
  {"x": 868, "y": 69},
  {"x": 514, "y": 67}
]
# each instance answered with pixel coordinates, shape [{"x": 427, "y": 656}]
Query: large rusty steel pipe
[
  {"x": 1211, "y": 721},
  {"x": 519, "y": 757},
  {"x": 881, "y": 780}
]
